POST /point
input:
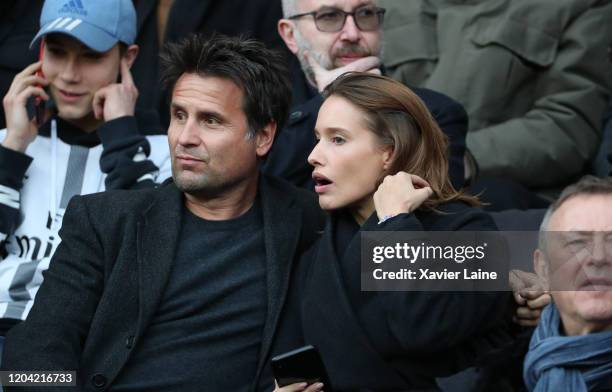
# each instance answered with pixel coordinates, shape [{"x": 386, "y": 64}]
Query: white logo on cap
[{"x": 74, "y": 24}]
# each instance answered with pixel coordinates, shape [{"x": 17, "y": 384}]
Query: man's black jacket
[{"x": 107, "y": 277}]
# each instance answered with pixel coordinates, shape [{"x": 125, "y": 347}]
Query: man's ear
[
  {"x": 286, "y": 29},
  {"x": 540, "y": 266},
  {"x": 130, "y": 54},
  {"x": 264, "y": 139}
]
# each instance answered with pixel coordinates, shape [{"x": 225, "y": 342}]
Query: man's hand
[
  {"x": 530, "y": 295},
  {"x": 325, "y": 77},
  {"x": 21, "y": 131},
  {"x": 117, "y": 99},
  {"x": 400, "y": 193}
]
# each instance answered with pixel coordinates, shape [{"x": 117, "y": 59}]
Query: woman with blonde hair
[{"x": 380, "y": 164}]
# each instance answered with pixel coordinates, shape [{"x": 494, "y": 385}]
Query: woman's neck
[{"x": 362, "y": 211}]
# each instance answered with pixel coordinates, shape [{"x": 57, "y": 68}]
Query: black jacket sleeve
[
  {"x": 13, "y": 166},
  {"x": 124, "y": 158},
  {"x": 430, "y": 322},
  {"x": 53, "y": 336}
]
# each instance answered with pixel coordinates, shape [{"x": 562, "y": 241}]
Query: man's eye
[
  {"x": 365, "y": 12},
  {"x": 179, "y": 115},
  {"x": 210, "y": 120},
  {"x": 328, "y": 15},
  {"x": 92, "y": 55},
  {"x": 577, "y": 244},
  {"x": 54, "y": 50}
]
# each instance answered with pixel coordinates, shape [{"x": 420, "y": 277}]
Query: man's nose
[
  {"x": 189, "y": 134},
  {"x": 601, "y": 250},
  {"x": 70, "y": 71},
  {"x": 350, "y": 31}
]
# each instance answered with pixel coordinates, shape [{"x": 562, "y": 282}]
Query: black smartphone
[
  {"x": 35, "y": 106},
  {"x": 301, "y": 365},
  {"x": 38, "y": 102}
]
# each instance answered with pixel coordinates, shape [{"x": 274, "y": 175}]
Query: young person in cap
[{"x": 86, "y": 141}]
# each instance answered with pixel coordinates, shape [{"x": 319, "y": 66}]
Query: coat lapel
[
  {"x": 157, "y": 236},
  {"x": 331, "y": 324},
  {"x": 282, "y": 227}
]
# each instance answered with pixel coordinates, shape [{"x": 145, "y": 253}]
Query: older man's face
[
  {"x": 334, "y": 50},
  {"x": 579, "y": 259}
]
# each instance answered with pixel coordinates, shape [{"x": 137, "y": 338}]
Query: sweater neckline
[{"x": 69, "y": 133}]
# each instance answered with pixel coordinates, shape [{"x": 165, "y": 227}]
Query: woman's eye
[{"x": 337, "y": 140}]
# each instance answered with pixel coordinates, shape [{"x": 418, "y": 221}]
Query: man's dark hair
[{"x": 257, "y": 70}]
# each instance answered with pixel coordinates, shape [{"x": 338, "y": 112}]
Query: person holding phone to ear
[{"x": 87, "y": 140}]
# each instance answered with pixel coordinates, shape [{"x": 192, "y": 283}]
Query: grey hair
[
  {"x": 290, "y": 8},
  {"x": 544, "y": 229},
  {"x": 587, "y": 185}
]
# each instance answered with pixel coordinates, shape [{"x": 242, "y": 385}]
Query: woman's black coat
[{"x": 388, "y": 340}]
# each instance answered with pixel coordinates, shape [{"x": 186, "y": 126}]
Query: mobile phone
[
  {"x": 301, "y": 365},
  {"x": 39, "y": 104}
]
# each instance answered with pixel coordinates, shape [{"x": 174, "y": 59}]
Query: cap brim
[{"x": 91, "y": 36}]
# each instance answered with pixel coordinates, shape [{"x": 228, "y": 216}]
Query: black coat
[
  {"x": 288, "y": 157},
  {"x": 389, "y": 340},
  {"x": 106, "y": 278}
]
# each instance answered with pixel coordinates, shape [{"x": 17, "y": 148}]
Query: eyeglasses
[{"x": 332, "y": 20}]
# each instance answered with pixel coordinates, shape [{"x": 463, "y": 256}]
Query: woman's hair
[{"x": 398, "y": 117}]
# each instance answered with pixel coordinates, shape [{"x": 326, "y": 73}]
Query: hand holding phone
[
  {"x": 300, "y": 370},
  {"x": 28, "y": 85}
]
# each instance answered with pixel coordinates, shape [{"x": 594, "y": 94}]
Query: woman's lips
[
  {"x": 322, "y": 188},
  {"x": 322, "y": 183}
]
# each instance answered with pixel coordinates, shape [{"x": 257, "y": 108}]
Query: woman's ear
[{"x": 387, "y": 157}]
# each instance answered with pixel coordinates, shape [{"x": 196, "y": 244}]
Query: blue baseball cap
[{"x": 98, "y": 24}]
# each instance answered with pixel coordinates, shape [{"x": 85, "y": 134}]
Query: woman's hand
[
  {"x": 299, "y": 387},
  {"x": 400, "y": 193}
]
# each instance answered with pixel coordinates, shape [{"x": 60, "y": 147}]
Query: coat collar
[
  {"x": 282, "y": 228},
  {"x": 157, "y": 235},
  {"x": 328, "y": 313}
]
